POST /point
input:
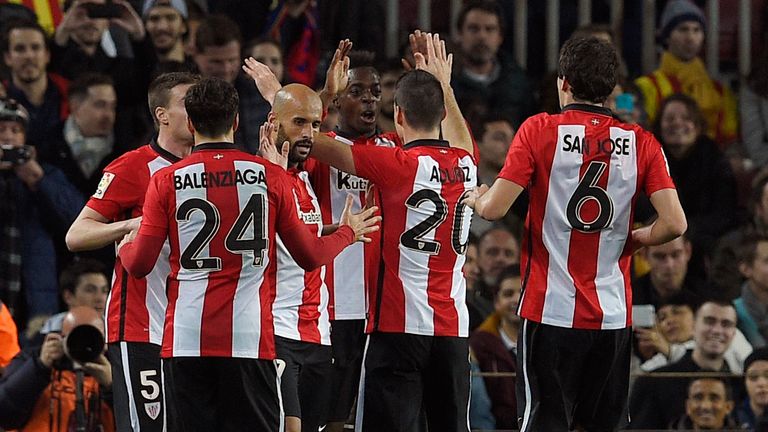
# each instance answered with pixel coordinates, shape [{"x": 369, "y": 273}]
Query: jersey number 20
[
  {"x": 414, "y": 237},
  {"x": 252, "y": 213}
]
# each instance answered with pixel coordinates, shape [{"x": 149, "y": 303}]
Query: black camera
[
  {"x": 105, "y": 10},
  {"x": 84, "y": 343},
  {"x": 15, "y": 155}
]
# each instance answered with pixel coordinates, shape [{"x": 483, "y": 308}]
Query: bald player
[{"x": 302, "y": 328}]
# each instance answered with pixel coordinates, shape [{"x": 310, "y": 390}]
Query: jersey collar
[
  {"x": 165, "y": 154},
  {"x": 214, "y": 146},
  {"x": 594, "y": 109},
  {"x": 427, "y": 143}
]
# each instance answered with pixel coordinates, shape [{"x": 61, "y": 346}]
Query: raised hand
[
  {"x": 267, "y": 148},
  {"x": 129, "y": 20},
  {"x": 361, "y": 223},
  {"x": 265, "y": 80},
  {"x": 473, "y": 195},
  {"x": 337, "y": 76},
  {"x": 430, "y": 55}
]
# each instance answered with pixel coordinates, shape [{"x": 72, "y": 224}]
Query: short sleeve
[
  {"x": 154, "y": 221},
  {"x": 118, "y": 190},
  {"x": 657, "y": 169},
  {"x": 280, "y": 183},
  {"x": 380, "y": 165},
  {"x": 519, "y": 165}
]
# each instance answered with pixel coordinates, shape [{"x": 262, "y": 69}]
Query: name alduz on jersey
[
  {"x": 455, "y": 175},
  {"x": 208, "y": 179}
]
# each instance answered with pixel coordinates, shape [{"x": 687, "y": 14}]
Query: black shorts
[
  {"x": 222, "y": 394},
  {"x": 347, "y": 342},
  {"x": 137, "y": 386},
  {"x": 306, "y": 381},
  {"x": 405, "y": 373},
  {"x": 570, "y": 378}
]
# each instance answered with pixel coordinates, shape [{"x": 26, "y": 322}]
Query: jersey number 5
[
  {"x": 588, "y": 190},
  {"x": 252, "y": 214},
  {"x": 414, "y": 237}
]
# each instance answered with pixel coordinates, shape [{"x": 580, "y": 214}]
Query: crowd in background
[{"x": 83, "y": 82}]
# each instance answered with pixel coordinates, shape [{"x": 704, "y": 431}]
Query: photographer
[
  {"x": 37, "y": 204},
  {"x": 38, "y": 389}
]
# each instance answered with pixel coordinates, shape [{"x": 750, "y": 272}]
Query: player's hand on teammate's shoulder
[
  {"x": 268, "y": 149},
  {"x": 473, "y": 195},
  {"x": 130, "y": 236},
  {"x": 362, "y": 223},
  {"x": 265, "y": 80}
]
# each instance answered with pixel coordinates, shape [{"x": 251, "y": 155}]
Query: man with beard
[
  {"x": 302, "y": 328},
  {"x": 136, "y": 306},
  {"x": 165, "y": 22},
  {"x": 44, "y": 95},
  {"x": 487, "y": 76},
  {"x": 390, "y": 72}
]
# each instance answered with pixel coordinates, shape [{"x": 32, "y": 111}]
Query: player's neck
[
  {"x": 705, "y": 362},
  {"x": 176, "y": 148},
  {"x": 410, "y": 135},
  {"x": 203, "y": 139},
  {"x": 568, "y": 99}
]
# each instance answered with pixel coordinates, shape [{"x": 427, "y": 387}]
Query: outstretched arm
[
  {"x": 91, "y": 230},
  {"x": 493, "y": 203},
  {"x": 330, "y": 151}
]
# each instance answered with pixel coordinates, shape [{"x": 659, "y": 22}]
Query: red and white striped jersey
[
  {"x": 421, "y": 289},
  {"x": 583, "y": 170},
  {"x": 221, "y": 209},
  {"x": 346, "y": 278},
  {"x": 136, "y": 307},
  {"x": 301, "y": 305}
]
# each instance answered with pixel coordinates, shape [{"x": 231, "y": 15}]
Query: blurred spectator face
[
  {"x": 91, "y": 291},
  {"x": 388, "y": 81},
  {"x": 27, "y": 55},
  {"x": 165, "y": 27},
  {"x": 221, "y": 62},
  {"x": 508, "y": 298},
  {"x": 678, "y": 128},
  {"x": 497, "y": 250},
  {"x": 12, "y": 133},
  {"x": 359, "y": 103},
  {"x": 269, "y": 54},
  {"x": 95, "y": 115},
  {"x": 757, "y": 270},
  {"x": 685, "y": 40},
  {"x": 480, "y": 37},
  {"x": 89, "y": 30},
  {"x": 675, "y": 323},
  {"x": 761, "y": 208},
  {"x": 495, "y": 142},
  {"x": 756, "y": 380},
  {"x": 713, "y": 329},
  {"x": 708, "y": 404},
  {"x": 669, "y": 265},
  {"x": 176, "y": 115},
  {"x": 471, "y": 270}
]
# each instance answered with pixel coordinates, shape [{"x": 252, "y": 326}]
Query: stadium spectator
[
  {"x": 480, "y": 415},
  {"x": 217, "y": 55},
  {"x": 497, "y": 249},
  {"x": 44, "y": 95},
  {"x": 487, "y": 75},
  {"x": 135, "y": 320},
  {"x": 494, "y": 344},
  {"x": 89, "y": 131},
  {"x": 267, "y": 52},
  {"x": 752, "y": 306},
  {"x": 390, "y": 72},
  {"x": 681, "y": 33},
  {"x": 708, "y": 406},
  {"x": 575, "y": 347},
  {"x": 37, "y": 204},
  {"x": 656, "y": 402},
  {"x": 702, "y": 175},
  {"x": 219, "y": 372},
  {"x": 673, "y": 336},
  {"x": 668, "y": 274},
  {"x": 753, "y": 107},
  {"x": 478, "y": 306},
  {"x": 752, "y": 412},
  {"x": 9, "y": 337},
  {"x": 37, "y": 392}
]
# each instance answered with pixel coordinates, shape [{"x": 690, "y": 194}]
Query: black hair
[
  {"x": 591, "y": 68},
  {"x": 159, "y": 92},
  {"x": 488, "y": 6},
  {"x": 78, "y": 89},
  {"x": 419, "y": 94},
  {"x": 212, "y": 106},
  {"x": 361, "y": 58},
  {"x": 26, "y": 24},
  {"x": 726, "y": 386},
  {"x": 693, "y": 109},
  {"x": 70, "y": 276},
  {"x": 217, "y": 30}
]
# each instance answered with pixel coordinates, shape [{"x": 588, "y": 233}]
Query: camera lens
[{"x": 84, "y": 343}]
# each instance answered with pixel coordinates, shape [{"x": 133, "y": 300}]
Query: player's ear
[
  {"x": 236, "y": 122},
  {"x": 271, "y": 117},
  {"x": 190, "y": 126},
  {"x": 162, "y": 115},
  {"x": 399, "y": 115}
]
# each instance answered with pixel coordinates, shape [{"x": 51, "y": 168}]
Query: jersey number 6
[{"x": 586, "y": 191}]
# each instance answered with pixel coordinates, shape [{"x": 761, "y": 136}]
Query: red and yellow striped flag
[{"x": 49, "y": 12}]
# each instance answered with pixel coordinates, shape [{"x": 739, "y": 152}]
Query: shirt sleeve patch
[{"x": 101, "y": 189}]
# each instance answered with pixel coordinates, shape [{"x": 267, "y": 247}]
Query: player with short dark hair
[
  {"x": 221, "y": 209},
  {"x": 417, "y": 350},
  {"x": 136, "y": 306},
  {"x": 583, "y": 170}
]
